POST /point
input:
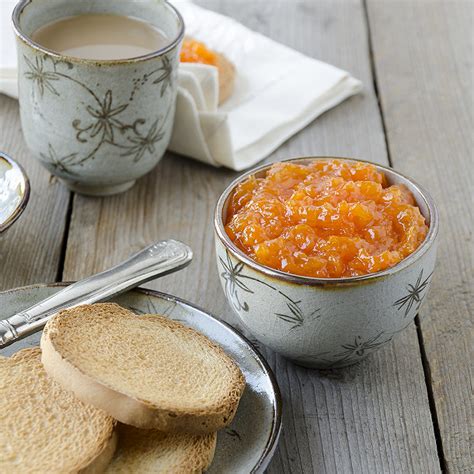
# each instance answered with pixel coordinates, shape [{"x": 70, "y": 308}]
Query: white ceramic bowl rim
[
  {"x": 22, "y": 4},
  {"x": 26, "y": 193},
  {"x": 303, "y": 280}
]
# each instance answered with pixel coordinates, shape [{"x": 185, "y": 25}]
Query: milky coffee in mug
[
  {"x": 97, "y": 87},
  {"x": 101, "y": 36}
]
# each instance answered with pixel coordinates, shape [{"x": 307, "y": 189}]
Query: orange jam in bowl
[
  {"x": 325, "y": 219},
  {"x": 193, "y": 51}
]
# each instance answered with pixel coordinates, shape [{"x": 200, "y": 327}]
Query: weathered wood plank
[
  {"x": 370, "y": 418},
  {"x": 30, "y": 249},
  {"x": 424, "y": 62}
]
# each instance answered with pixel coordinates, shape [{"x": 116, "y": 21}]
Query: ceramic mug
[
  {"x": 326, "y": 322},
  {"x": 98, "y": 125}
]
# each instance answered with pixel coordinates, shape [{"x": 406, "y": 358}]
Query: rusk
[
  {"x": 151, "y": 451},
  {"x": 144, "y": 370},
  {"x": 44, "y": 428}
]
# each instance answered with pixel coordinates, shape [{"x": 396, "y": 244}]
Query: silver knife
[{"x": 159, "y": 259}]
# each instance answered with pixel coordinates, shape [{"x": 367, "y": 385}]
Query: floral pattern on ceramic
[
  {"x": 326, "y": 323},
  {"x": 104, "y": 122},
  {"x": 415, "y": 294},
  {"x": 97, "y": 125},
  {"x": 235, "y": 281},
  {"x": 303, "y": 324}
]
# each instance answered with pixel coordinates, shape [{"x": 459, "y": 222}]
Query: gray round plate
[{"x": 248, "y": 444}]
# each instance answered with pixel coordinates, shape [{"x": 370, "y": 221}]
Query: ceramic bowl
[
  {"x": 14, "y": 191},
  {"x": 326, "y": 322}
]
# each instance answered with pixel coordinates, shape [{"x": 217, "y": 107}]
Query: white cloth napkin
[{"x": 278, "y": 91}]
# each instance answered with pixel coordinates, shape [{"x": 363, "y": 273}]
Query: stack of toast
[{"x": 112, "y": 391}]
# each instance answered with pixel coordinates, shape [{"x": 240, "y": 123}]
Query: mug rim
[
  {"x": 313, "y": 281},
  {"x": 22, "y": 4}
]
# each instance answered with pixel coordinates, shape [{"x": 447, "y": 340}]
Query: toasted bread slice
[
  {"x": 226, "y": 77},
  {"x": 44, "y": 428},
  {"x": 151, "y": 452},
  {"x": 144, "y": 370}
]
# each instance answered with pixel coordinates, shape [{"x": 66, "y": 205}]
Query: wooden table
[{"x": 405, "y": 409}]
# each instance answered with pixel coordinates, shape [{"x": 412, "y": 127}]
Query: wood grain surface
[
  {"x": 426, "y": 85},
  {"x": 407, "y": 407}
]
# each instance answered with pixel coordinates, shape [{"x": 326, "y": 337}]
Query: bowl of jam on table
[{"x": 325, "y": 259}]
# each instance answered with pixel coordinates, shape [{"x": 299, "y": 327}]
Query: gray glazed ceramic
[
  {"x": 326, "y": 323},
  {"x": 248, "y": 444},
  {"x": 97, "y": 125},
  {"x": 14, "y": 191}
]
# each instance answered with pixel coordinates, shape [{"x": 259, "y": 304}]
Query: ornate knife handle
[{"x": 159, "y": 259}]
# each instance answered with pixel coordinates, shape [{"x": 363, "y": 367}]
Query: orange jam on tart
[
  {"x": 194, "y": 51},
  {"x": 325, "y": 219}
]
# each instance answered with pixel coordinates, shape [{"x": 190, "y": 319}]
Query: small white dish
[{"x": 14, "y": 191}]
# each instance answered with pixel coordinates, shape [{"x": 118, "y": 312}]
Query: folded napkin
[{"x": 278, "y": 91}]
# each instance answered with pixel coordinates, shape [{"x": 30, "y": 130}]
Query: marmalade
[
  {"x": 193, "y": 51},
  {"x": 325, "y": 219}
]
